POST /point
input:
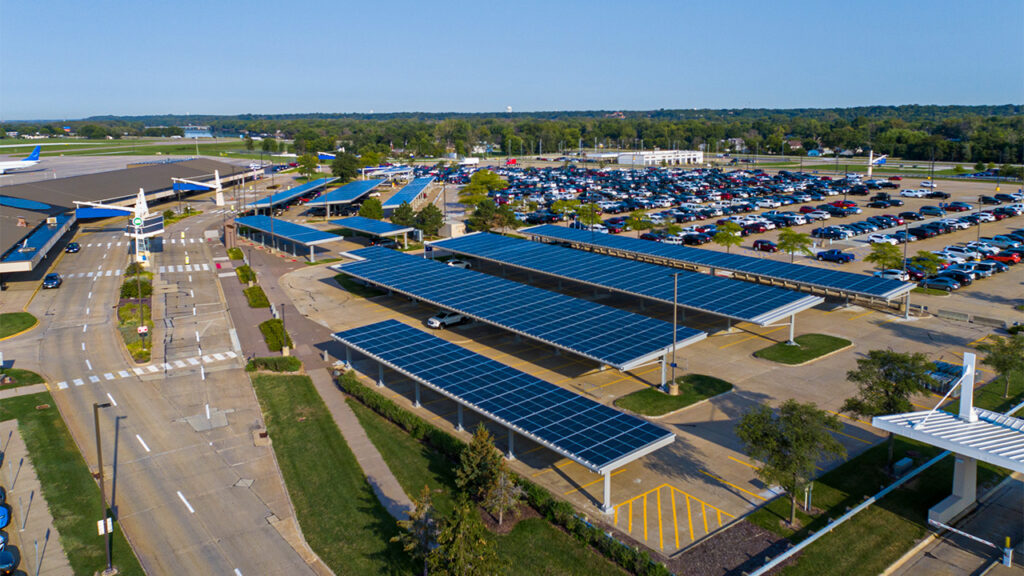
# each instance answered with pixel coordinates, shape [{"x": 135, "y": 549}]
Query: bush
[
  {"x": 257, "y": 297},
  {"x": 132, "y": 286},
  {"x": 275, "y": 364},
  {"x": 134, "y": 269},
  {"x": 273, "y": 332},
  {"x": 1015, "y": 329},
  {"x": 557, "y": 511},
  {"x": 245, "y": 274},
  {"x": 235, "y": 253}
]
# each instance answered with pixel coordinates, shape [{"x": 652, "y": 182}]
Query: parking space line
[
  {"x": 704, "y": 516},
  {"x": 553, "y": 467},
  {"x": 730, "y": 484},
  {"x": 619, "y": 471},
  {"x": 689, "y": 517},
  {"x": 842, "y": 415},
  {"x": 675, "y": 521},
  {"x": 630, "y": 518},
  {"x": 854, "y": 437},
  {"x": 734, "y": 459},
  {"x": 661, "y": 536},
  {"x": 645, "y": 517},
  {"x": 863, "y": 314},
  {"x": 753, "y": 336}
]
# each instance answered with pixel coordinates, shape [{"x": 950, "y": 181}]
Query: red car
[
  {"x": 899, "y": 221},
  {"x": 765, "y": 246},
  {"x": 807, "y": 209},
  {"x": 895, "y": 178},
  {"x": 1010, "y": 258}
]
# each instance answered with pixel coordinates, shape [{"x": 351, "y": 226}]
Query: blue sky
[{"x": 71, "y": 59}]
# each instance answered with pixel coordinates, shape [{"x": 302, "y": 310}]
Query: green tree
[
  {"x": 248, "y": 142},
  {"x": 483, "y": 216},
  {"x": 728, "y": 235},
  {"x": 791, "y": 242},
  {"x": 673, "y": 229},
  {"x": 885, "y": 255},
  {"x": 638, "y": 221},
  {"x": 371, "y": 208},
  {"x": 1005, "y": 355},
  {"x": 588, "y": 214},
  {"x": 403, "y": 215},
  {"x": 269, "y": 145},
  {"x": 480, "y": 183},
  {"x": 430, "y": 219},
  {"x": 789, "y": 443},
  {"x": 564, "y": 207},
  {"x": 886, "y": 380},
  {"x": 928, "y": 262},
  {"x": 307, "y": 165},
  {"x": 980, "y": 166},
  {"x": 479, "y": 465},
  {"x": 419, "y": 532},
  {"x": 463, "y": 548},
  {"x": 505, "y": 495},
  {"x": 345, "y": 166}
]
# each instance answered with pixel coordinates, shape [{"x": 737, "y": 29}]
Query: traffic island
[
  {"x": 693, "y": 388},
  {"x": 808, "y": 347},
  {"x": 15, "y": 323}
]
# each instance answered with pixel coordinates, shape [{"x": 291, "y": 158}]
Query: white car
[
  {"x": 985, "y": 216},
  {"x": 972, "y": 269},
  {"x": 928, "y": 184},
  {"x": 444, "y": 318},
  {"x": 955, "y": 224},
  {"x": 892, "y": 274},
  {"x": 818, "y": 215},
  {"x": 949, "y": 257},
  {"x": 913, "y": 193},
  {"x": 963, "y": 252},
  {"x": 983, "y": 248},
  {"x": 882, "y": 239},
  {"x": 459, "y": 264}
]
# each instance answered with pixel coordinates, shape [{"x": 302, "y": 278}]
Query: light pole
[
  {"x": 103, "y": 493},
  {"x": 673, "y": 387}
]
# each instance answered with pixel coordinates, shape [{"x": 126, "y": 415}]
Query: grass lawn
[
  {"x": 257, "y": 297},
  {"x": 138, "y": 346},
  {"x": 340, "y": 515},
  {"x": 534, "y": 546},
  {"x": 20, "y": 377},
  {"x": 878, "y": 536},
  {"x": 930, "y": 291},
  {"x": 355, "y": 288},
  {"x": 990, "y": 396},
  {"x": 70, "y": 491},
  {"x": 235, "y": 253},
  {"x": 324, "y": 261},
  {"x": 692, "y": 389},
  {"x": 13, "y": 322},
  {"x": 809, "y": 347},
  {"x": 175, "y": 217}
]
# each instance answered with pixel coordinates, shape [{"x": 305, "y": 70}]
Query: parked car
[
  {"x": 72, "y": 247},
  {"x": 913, "y": 216},
  {"x": 459, "y": 264},
  {"x": 963, "y": 278},
  {"x": 940, "y": 283},
  {"x": 882, "y": 239},
  {"x": 892, "y": 274},
  {"x": 52, "y": 280},
  {"x": 931, "y": 211},
  {"x": 8, "y": 564},
  {"x": 765, "y": 246},
  {"x": 835, "y": 255},
  {"x": 1006, "y": 257},
  {"x": 928, "y": 184},
  {"x": 444, "y": 318},
  {"x": 990, "y": 200}
]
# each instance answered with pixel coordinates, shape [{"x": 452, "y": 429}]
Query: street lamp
[
  {"x": 673, "y": 387},
  {"x": 103, "y": 493}
]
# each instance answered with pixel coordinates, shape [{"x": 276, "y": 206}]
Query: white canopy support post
[
  {"x": 511, "y": 445},
  {"x": 906, "y": 307},
  {"x": 405, "y": 240},
  {"x": 417, "y": 402},
  {"x": 664, "y": 386},
  {"x": 459, "y": 425},
  {"x": 312, "y": 253},
  {"x": 606, "y": 505},
  {"x": 792, "y": 330},
  {"x": 348, "y": 356},
  {"x": 380, "y": 375}
]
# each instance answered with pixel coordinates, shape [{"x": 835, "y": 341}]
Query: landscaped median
[
  {"x": 808, "y": 347},
  {"x": 275, "y": 335},
  {"x": 71, "y": 494},
  {"x": 693, "y": 388},
  {"x": 134, "y": 310},
  {"x": 13, "y": 323}
]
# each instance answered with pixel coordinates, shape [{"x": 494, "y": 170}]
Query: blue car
[
  {"x": 5, "y": 516},
  {"x": 52, "y": 280}
]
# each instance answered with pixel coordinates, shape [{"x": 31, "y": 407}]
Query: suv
[
  {"x": 445, "y": 318},
  {"x": 931, "y": 211},
  {"x": 834, "y": 255}
]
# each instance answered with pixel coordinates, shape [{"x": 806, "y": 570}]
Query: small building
[{"x": 662, "y": 158}]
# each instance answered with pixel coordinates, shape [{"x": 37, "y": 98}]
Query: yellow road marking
[
  {"x": 689, "y": 517},
  {"x": 531, "y": 450},
  {"x": 645, "y": 518},
  {"x": 753, "y": 336},
  {"x": 704, "y": 516},
  {"x": 863, "y": 314},
  {"x": 727, "y": 483},
  {"x": 620, "y": 470},
  {"x": 979, "y": 340},
  {"x": 842, "y": 415},
  {"x": 554, "y": 466},
  {"x": 742, "y": 462},
  {"x": 630, "y": 531},
  {"x": 719, "y": 518},
  {"x": 439, "y": 416},
  {"x": 661, "y": 536},
  {"x": 675, "y": 522},
  {"x": 854, "y": 437}
]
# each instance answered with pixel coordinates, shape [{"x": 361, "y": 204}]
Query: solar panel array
[
  {"x": 607, "y": 335},
  {"x": 735, "y": 299},
  {"x": 286, "y": 196},
  {"x": 409, "y": 192},
  {"x": 348, "y": 193},
  {"x": 288, "y": 230},
  {"x": 371, "y": 226},
  {"x": 848, "y": 282},
  {"x": 595, "y": 435}
]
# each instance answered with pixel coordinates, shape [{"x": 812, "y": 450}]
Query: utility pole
[
  {"x": 673, "y": 387},
  {"x": 103, "y": 493}
]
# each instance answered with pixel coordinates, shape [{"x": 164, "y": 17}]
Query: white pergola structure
[
  {"x": 971, "y": 435},
  {"x": 142, "y": 227},
  {"x": 186, "y": 184}
]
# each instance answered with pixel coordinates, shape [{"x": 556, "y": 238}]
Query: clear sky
[{"x": 73, "y": 58}]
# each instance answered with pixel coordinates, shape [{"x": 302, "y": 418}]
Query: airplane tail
[{"x": 34, "y": 156}]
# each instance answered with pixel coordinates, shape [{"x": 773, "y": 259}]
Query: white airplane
[{"x": 31, "y": 160}]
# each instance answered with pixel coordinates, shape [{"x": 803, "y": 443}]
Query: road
[{"x": 192, "y": 492}]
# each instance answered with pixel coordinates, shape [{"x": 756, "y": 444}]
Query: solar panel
[
  {"x": 744, "y": 301},
  {"x": 592, "y": 434},
  {"x": 286, "y": 196},
  {"x": 408, "y": 193},
  {"x": 347, "y": 194},
  {"x": 607, "y": 335},
  {"x": 845, "y": 282},
  {"x": 371, "y": 226},
  {"x": 288, "y": 230}
]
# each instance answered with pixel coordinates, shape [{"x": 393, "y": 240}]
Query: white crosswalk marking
[
  {"x": 193, "y": 361},
  {"x": 109, "y": 376},
  {"x": 161, "y": 269},
  {"x": 94, "y": 379},
  {"x": 118, "y": 243},
  {"x": 188, "y": 267},
  {"x": 62, "y": 385},
  {"x": 153, "y": 369},
  {"x": 123, "y": 374},
  {"x": 191, "y": 240},
  {"x": 78, "y": 382},
  {"x": 206, "y": 267},
  {"x": 167, "y": 366},
  {"x": 218, "y": 356},
  {"x": 88, "y": 245},
  {"x": 117, "y": 272},
  {"x": 109, "y": 244},
  {"x": 179, "y": 268},
  {"x": 207, "y": 359},
  {"x": 138, "y": 371},
  {"x": 89, "y": 274},
  {"x": 109, "y": 272},
  {"x": 179, "y": 364},
  {"x": 230, "y": 354}
]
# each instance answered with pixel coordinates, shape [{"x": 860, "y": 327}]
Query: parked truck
[{"x": 835, "y": 255}]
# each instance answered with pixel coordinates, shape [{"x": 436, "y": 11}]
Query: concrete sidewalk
[
  {"x": 22, "y": 391},
  {"x": 27, "y": 506}
]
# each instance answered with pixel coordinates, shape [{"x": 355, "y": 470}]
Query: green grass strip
[
  {"x": 256, "y": 297},
  {"x": 340, "y": 515},
  {"x": 71, "y": 494},
  {"x": 692, "y": 389},
  {"x": 808, "y": 347},
  {"x": 13, "y": 322}
]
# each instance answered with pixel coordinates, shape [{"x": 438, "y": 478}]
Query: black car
[
  {"x": 696, "y": 239},
  {"x": 385, "y": 243},
  {"x": 911, "y": 216},
  {"x": 72, "y": 247},
  {"x": 1005, "y": 198},
  {"x": 921, "y": 232},
  {"x": 989, "y": 200},
  {"x": 960, "y": 277},
  {"x": 937, "y": 194}
]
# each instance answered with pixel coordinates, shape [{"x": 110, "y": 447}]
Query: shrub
[
  {"x": 273, "y": 332},
  {"x": 257, "y": 297},
  {"x": 1015, "y": 329},
  {"x": 275, "y": 364},
  {"x": 235, "y": 253},
  {"x": 132, "y": 286},
  {"x": 134, "y": 269},
  {"x": 245, "y": 274}
]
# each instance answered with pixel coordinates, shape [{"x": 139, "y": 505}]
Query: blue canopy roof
[
  {"x": 371, "y": 226},
  {"x": 293, "y": 193},
  {"x": 348, "y": 193},
  {"x": 291, "y": 231},
  {"x": 409, "y": 192},
  {"x": 28, "y": 248}
]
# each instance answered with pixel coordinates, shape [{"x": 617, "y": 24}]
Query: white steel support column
[
  {"x": 511, "y": 445},
  {"x": 380, "y": 375},
  {"x": 606, "y": 505},
  {"x": 459, "y": 425},
  {"x": 663, "y": 373},
  {"x": 906, "y": 307},
  {"x": 348, "y": 356},
  {"x": 312, "y": 254},
  {"x": 792, "y": 328}
]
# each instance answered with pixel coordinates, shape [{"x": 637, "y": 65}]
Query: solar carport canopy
[
  {"x": 810, "y": 276},
  {"x": 607, "y": 335},
  {"x": 409, "y": 192},
  {"x": 286, "y": 196},
  {"x": 743, "y": 301},
  {"x": 346, "y": 194},
  {"x": 371, "y": 226},
  {"x": 585, "y": 431},
  {"x": 286, "y": 230}
]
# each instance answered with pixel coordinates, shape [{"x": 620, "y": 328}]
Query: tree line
[{"x": 946, "y": 133}]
